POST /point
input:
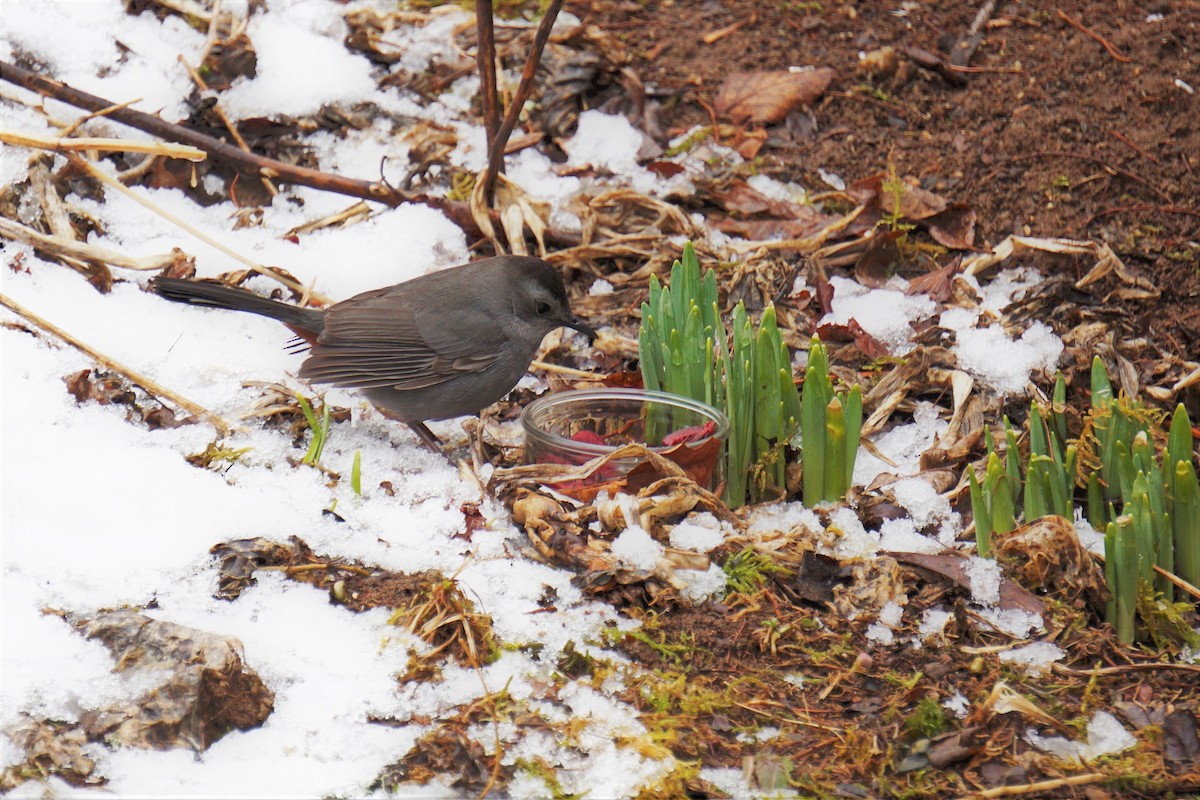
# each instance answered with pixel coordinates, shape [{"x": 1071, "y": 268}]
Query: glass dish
[{"x": 576, "y": 426}]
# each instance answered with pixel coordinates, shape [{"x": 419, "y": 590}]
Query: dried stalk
[
  {"x": 62, "y": 144},
  {"x": 62, "y": 247}
]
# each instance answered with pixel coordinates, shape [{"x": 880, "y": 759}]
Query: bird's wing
[{"x": 378, "y": 339}]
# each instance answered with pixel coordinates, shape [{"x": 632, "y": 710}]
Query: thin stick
[
  {"x": 1156, "y": 209},
  {"x": 1043, "y": 786},
  {"x": 258, "y": 165},
  {"x": 1120, "y": 670},
  {"x": 1083, "y": 157},
  {"x": 1183, "y": 585},
  {"x": 1109, "y": 46},
  {"x": 485, "y": 58},
  {"x": 108, "y": 180},
  {"x": 561, "y": 370},
  {"x": 61, "y": 144},
  {"x": 1141, "y": 151},
  {"x": 60, "y": 247},
  {"x": 961, "y": 55},
  {"x": 53, "y": 212},
  {"x": 189, "y": 8},
  {"x": 150, "y": 386},
  {"x": 210, "y": 38},
  {"x": 458, "y": 211},
  {"x": 496, "y": 146}
]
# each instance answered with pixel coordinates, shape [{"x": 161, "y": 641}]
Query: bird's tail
[{"x": 216, "y": 295}]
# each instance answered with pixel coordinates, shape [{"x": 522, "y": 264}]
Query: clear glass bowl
[{"x": 576, "y": 426}]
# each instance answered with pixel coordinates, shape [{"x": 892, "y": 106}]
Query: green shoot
[{"x": 320, "y": 430}]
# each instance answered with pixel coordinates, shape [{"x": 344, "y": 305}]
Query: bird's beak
[{"x": 581, "y": 326}]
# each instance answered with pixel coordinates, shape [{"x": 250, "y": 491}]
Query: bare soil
[{"x": 1055, "y": 135}]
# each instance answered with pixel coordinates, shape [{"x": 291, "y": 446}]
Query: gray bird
[{"x": 441, "y": 345}]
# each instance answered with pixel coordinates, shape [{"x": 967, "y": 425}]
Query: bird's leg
[
  {"x": 423, "y": 433},
  {"x": 426, "y": 436}
]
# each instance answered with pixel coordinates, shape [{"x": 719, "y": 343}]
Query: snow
[
  {"x": 933, "y": 623},
  {"x": 301, "y": 67},
  {"x": 886, "y": 314},
  {"x": 958, "y": 705},
  {"x": 608, "y": 141},
  {"x": 701, "y": 585},
  {"x": 984, "y": 577},
  {"x": 1013, "y": 621},
  {"x": 636, "y": 548},
  {"x": 1004, "y": 363},
  {"x": 882, "y": 630},
  {"x": 1035, "y": 658},
  {"x": 1091, "y": 539},
  {"x": 700, "y": 532},
  {"x": 927, "y": 508},
  {"x": 1105, "y": 736},
  {"x": 600, "y": 287},
  {"x": 903, "y": 444},
  {"x": 783, "y": 517}
]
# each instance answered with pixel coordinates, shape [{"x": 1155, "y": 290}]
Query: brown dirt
[{"x": 1056, "y": 137}]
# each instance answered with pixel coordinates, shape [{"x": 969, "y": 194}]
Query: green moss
[
  {"x": 928, "y": 719},
  {"x": 747, "y": 571}
]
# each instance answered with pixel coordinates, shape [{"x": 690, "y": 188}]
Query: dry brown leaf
[
  {"x": 766, "y": 97},
  {"x": 954, "y": 227}
]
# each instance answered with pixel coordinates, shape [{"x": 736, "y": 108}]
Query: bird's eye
[{"x": 543, "y": 307}]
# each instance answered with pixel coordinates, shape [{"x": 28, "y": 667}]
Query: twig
[
  {"x": 497, "y": 145},
  {"x": 1109, "y": 46},
  {"x": 561, "y": 370},
  {"x": 1148, "y": 155},
  {"x": 1179, "y": 582},
  {"x": 54, "y": 213},
  {"x": 258, "y": 165},
  {"x": 108, "y": 180},
  {"x": 150, "y": 386},
  {"x": 1105, "y": 671},
  {"x": 210, "y": 39},
  {"x": 791, "y": 719},
  {"x": 62, "y": 144},
  {"x": 485, "y": 58},
  {"x": 872, "y": 100},
  {"x": 715, "y": 36},
  {"x": 62, "y": 247},
  {"x": 1042, "y": 786},
  {"x": 964, "y": 49},
  {"x": 1082, "y": 157},
  {"x": 1144, "y": 207}
]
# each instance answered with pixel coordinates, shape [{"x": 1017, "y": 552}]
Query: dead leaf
[
  {"x": 954, "y": 566},
  {"x": 853, "y": 332},
  {"x": 739, "y": 197},
  {"x": 1181, "y": 738},
  {"x": 938, "y": 284},
  {"x": 765, "y": 98},
  {"x": 877, "y": 265},
  {"x": 954, "y": 227}
]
